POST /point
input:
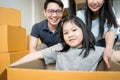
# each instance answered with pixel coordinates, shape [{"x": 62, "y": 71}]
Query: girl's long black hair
[
  {"x": 88, "y": 38},
  {"x": 106, "y": 12}
]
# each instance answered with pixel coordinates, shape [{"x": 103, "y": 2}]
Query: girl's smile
[{"x": 73, "y": 35}]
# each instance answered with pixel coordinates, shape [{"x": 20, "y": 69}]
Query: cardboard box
[
  {"x": 12, "y": 38},
  {"x": 4, "y": 61},
  {"x": 7, "y": 58},
  {"x": 36, "y": 74},
  {"x": 10, "y": 16},
  {"x": 3, "y": 75},
  {"x": 45, "y": 73}
]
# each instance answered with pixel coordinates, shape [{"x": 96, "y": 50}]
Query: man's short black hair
[{"x": 59, "y": 2}]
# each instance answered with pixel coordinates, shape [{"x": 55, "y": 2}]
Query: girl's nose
[{"x": 70, "y": 34}]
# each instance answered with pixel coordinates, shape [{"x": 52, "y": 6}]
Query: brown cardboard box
[
  {"x": 12, "y": 38},
  {"x": 10, "y": 16},
  {"x": 29, "y": 71},
  {"x": 41, "y": 72},
  {"x": 8, "y": 58},
  {"x": 35, "y": 74},
  {"x": 4, "y": 61},
  {"x": 3, "y": 75}
]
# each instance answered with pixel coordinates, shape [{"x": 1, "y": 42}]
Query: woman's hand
[
  {"x": 107, "y": 56},
  {"x": 109, "y": 40}
]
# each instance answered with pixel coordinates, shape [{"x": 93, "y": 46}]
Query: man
[{"x": 48, "y": 30}]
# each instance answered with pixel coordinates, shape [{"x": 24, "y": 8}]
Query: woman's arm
[
  {"x": 29, "y": 57},
  {"x": 109, "y": 39}
]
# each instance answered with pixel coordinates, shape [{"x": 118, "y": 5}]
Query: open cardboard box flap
[
  {"x": 39, "y": 74},
  {"x": 23, "y": 73}
]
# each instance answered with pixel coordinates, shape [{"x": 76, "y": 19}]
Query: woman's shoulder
[
  {"x": 80, "y": 12},
  {"x": 81, "y": 15}
]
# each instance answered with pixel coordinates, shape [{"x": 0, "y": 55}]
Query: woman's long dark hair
[
  {"x": 88, "y": 38},
  {"x": 106, "y": 12}
]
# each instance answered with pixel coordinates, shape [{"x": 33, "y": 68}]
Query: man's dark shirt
[{"x": 40, "y": 30}]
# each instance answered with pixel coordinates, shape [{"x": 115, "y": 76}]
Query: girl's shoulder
[
  {"x": 57, "y": 46},
  {"x": 98, "y": 48},
  {"x": 52, "y": 49}
]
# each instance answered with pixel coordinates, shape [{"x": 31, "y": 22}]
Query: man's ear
[{"x": 44, "y": 12}]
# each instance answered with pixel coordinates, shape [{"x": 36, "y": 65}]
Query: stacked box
[
  {"x": 12, "y": 38},
  {"x": 10, "y": 57},
  {"x": 13, "y": 43},
  {"x": 7, "y": 58},
  {"x": 10, "y": 16}
]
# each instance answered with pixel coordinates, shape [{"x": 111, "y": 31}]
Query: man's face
[{"x": 53, "y": 13}]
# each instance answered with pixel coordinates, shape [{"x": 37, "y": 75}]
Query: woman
[{"x": 99, "y": 17}]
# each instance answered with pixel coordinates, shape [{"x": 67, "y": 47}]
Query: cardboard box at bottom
[
  {"x": 7, "y": 58},
  {"x": 35, "y": 74}
]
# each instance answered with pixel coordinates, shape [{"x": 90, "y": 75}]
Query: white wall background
[{"x": 38, "y": 10}]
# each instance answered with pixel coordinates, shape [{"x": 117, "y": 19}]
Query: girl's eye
[
  {"x": 65, "y": 32},
  {"x": 74, "y": 30}
]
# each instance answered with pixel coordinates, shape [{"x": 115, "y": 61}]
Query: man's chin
[{"x": 54, "y": 24}]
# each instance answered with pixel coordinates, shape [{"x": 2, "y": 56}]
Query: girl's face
[
  {"x": 72, "y": 35},
  {"x": 53, "y": 13},
  {"x": 95, "y": 5}
]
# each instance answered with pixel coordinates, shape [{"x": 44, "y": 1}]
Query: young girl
[{"x": 99, "y": 17}]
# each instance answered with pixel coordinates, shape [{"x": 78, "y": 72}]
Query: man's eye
[
  {"x": 59, "y": 11},
  {"x": 51, "y": 11}
]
